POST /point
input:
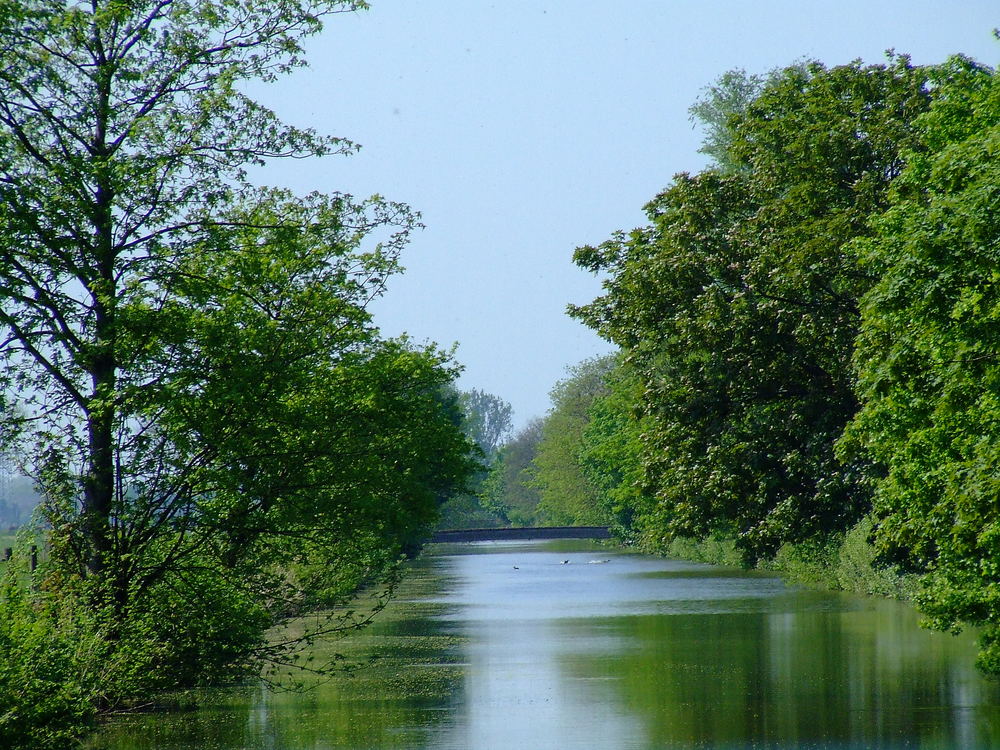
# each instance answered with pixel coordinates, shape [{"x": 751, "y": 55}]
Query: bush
[
  {"x": 178, "y": 637},
  {"x": 65, "y": 657},
  {"x": 46, "y": 671},
  {"x": 857, "y": 569},
  {"x": 714, "y": 550},
  {"x": 843, "y": 562}
]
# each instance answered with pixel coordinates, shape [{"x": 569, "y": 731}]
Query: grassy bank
[{"x": 842, "y": 563}]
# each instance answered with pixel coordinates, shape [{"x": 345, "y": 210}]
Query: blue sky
[{"x": 521, "y": 130}]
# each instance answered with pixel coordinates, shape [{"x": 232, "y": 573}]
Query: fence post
[{"x": 34, "y": 557}]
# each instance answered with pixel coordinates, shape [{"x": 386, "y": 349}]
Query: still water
[{"x": 566, "y": 645}]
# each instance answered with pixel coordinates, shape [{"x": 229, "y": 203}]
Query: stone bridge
[{"x": 521, "y": 533}]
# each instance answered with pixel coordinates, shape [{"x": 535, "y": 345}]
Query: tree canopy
[
  {"x": 222, "y": 437},
  {"x": 737, "y": 307},
  {"x": 808, "y": 330},
  {"x": 927, "y": 358}
]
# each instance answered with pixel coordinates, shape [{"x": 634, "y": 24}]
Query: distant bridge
[{"x": 521, "y": 533}]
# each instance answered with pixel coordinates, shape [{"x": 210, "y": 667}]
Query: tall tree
[
  {"x": 719, "y": 109},
  {"x": 509, "y": 488},
  {"x": 737, "y": 308},
  {"x": 487, "y": 420},
  {"x": 566, "y": 496},
  {"x": 928, "y": 359},
  {"x": 125, "y": 144},
  {"x": 203, "y": 396},
  {"x": 611, "y": 452}
]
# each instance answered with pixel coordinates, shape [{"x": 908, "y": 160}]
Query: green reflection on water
[
  {"x": 834, "y": 672},
  {"x": 396, "y": 702},
  {"x": 507, "y": 646}
]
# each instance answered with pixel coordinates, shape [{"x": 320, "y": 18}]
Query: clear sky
[{"x": 521, "y": 130}]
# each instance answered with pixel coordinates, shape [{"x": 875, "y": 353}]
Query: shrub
[{"x": 46, "y": 676}]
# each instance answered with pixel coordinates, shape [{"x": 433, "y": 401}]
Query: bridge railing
[{"x": 524, "y": 533}]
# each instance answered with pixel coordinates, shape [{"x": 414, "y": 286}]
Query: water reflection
[
  {"x": 644, "y": 653},
  {"x": 533, "y": 646},
  {"x": 396, "y": 703}
]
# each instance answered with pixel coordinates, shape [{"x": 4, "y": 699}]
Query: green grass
[
  {"x": 20, "y": 543},
  {"x": 7, "y": 541}
]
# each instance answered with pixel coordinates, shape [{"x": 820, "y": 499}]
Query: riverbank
[
  {"x": 843, "y": 563},
  {"x": 389, "y": 671}
]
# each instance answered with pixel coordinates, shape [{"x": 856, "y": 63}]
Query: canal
[{"x": 568, "y": 645}]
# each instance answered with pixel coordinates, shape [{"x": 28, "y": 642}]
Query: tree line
[
  {"x": 224, "y": 441},
  {"x": 808, "y": 339}
]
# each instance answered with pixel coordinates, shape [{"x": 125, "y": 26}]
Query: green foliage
[
  {"x": 927, "y": 359},
  {"x": 859, "y": 568},
  {"x": 719, "y": 108},
  {"x": 856, "y": 216},
  {"x": 46, "y": 696},
  {"x": 509, "y": 489},
  {"x": 223, "y": 439},
  {"x": 470, "y": 511},
  {"x": 610, "y": 452},
  {"x": 538, "y": 476},
  {"x": 844, "y": 562},
  {"x": 487, "y": 420},
  {"x": 566, "y": 495},
  {"x": 715, "y": 550},
  {"x": 736, "y": 310}
]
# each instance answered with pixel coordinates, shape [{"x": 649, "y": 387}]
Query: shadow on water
[{"x": 572, "y": 645}]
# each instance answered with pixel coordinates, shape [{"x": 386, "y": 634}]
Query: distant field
[{"x": 7, "y": 539}]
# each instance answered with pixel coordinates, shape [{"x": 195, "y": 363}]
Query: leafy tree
[
  {"x": 737, "y": 309},
  {"x": 222, "y": 437},
  {"x": 719, "y": 108},
  {"x": 611, "y": 452},
  {"x": 566, "y": 497},
  {"x": 487, "y": 420},
  {"x": 927, "y": 359},
  {"x": 45, "y": 700},
  {"x": 509, "y": 488}
]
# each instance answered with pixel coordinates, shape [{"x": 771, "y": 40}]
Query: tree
[
  {"x": 218, "y": 429},
  {"x": 566, "y": 497},
  {"x": 487, "y": 420},
  {"x": 737, "y": 309},
  {"x": 928, "y": 359},
  {"x": 509, "y": 487},
  {"x": 611, "y": 453},
  {"x": 719, "y": 108}
]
